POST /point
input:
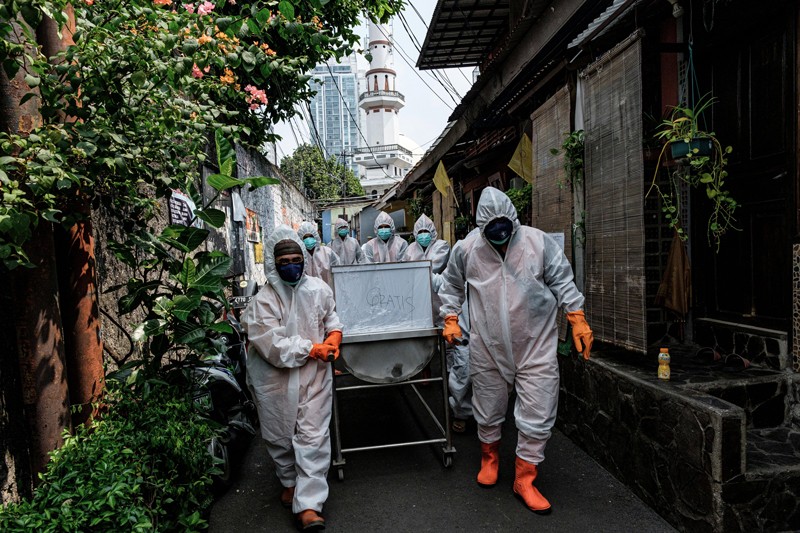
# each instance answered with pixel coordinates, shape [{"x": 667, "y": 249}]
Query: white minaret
[{"x": 385, "y": 161}]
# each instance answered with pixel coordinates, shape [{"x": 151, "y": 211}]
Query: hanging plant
[{"x": 701, "y": 161}]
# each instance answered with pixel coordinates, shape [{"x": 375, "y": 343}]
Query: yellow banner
[
  {"x": 521, "y": 161},
  {"x": 441, "y": 180}
]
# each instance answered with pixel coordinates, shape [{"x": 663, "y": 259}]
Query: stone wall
[
  {"x": 709, "y": 450},
  {"x": 762, "y": 347},
  {"x": 796, "y": 307}
]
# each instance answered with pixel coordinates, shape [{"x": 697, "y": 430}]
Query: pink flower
[
  {"x": 196, "y": 72},
  {"x": 189, "y": 7},
  {"x": 256, "y": 97},
  {"x": 205, "y": 8},
  {"x": 232, "y": 2}
]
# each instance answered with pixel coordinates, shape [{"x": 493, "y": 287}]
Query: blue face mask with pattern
[
  {"x": 498, "y": 231},
  {"x": 310, "y": 242},
  {"x": 291, "y": 273},
  {"x": 384, "y": 233},
  {"x": 424, "y": 239},
  {"x": 343, "y": 232}
]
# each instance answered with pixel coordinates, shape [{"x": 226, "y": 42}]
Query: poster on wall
[
  {"x": 252, "y": 226},
  {"x": 181, "y": 209},
  {"x": 258, "y": 253}
]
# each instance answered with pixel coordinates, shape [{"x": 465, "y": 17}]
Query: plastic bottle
[{"x": 663, "y": 364}]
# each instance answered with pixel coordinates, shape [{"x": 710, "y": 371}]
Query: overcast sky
[{"x": 427, "y": 106}]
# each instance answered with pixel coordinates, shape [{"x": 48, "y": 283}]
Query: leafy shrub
[{"x": 144, "y": 466}]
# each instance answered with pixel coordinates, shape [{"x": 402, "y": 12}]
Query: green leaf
[
  {"x": 286, "y": 9},
  {"x": 162, "y": 306},
  {"x": 184, "y": 307},
  {"x": 227, "y": 167},
  {"x": 259, "y": 181},
  {"x": 223, "y": 23},
  {"x": 87, "y": 147},
  {"x": 32, "y": 81},
  {"x": 224, "y": 149},
  {"x": 138, "y": 78},
  {"x": 184, "y": 238},
  {"x": 210, "y": 270},
  {"x": 221, "y": 327},
  {"x": 222, "y": 182},
  {"x": 263, "y": 16},
  {"x": 211, "y": 216},
  {"x": 188, "y": 272},
  {"x": 149, "y": 328},
  {"x": 186, "y": 333},
  {"x": 248, "y": 58}
]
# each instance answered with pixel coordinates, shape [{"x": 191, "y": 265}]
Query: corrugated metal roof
[
  {"x": 462, "y": 32},
  {"x": 616, "y": 8}
]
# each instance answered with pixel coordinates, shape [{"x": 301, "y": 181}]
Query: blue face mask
[
  {"x": 291, "y": 273},
  {"x": 310, "y": 242},
  {"x": 343, "y": 232},
  {"x": 384, "y": 233},
  {"x": 424, "y": 239},
  {"x": 498, "y": 231}
]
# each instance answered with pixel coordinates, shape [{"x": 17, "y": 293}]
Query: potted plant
[{"x": 700, "y": 162}]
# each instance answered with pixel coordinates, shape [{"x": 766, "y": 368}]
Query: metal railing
[
  {"x": 382, "y": 148},
  {"x": 370, "y": 94}
]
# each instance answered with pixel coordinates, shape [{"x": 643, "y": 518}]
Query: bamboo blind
[
  {"x": 552, "y": 196},
  {"x": 615, "y": 277}
]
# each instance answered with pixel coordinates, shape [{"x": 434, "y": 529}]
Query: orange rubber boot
[
  {"x": 490, "y": 461},
  {"x": 310, "y": 520},
  {"x": 287, "y": 495},
  {"x": 523, "y": 487}
]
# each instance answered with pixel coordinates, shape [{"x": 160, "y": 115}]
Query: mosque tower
[{"x": 386, "y": 157}]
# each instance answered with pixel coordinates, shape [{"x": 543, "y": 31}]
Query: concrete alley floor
[{"x": 409, "y": 489}]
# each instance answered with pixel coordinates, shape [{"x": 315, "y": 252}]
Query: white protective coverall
[
  {"x": 321, "y": 259},
  {"x": 513, "y": 303},
  {"x": 293, "y": 392},
  {"x": 437, "y": 252},
  {"x": 347, "y": 249},
  {"x": 377, "y": 251}
]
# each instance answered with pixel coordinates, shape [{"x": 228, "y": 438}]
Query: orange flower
[
  {"x": 203, "y": 39},
  {"x": 227, "y": 78}
]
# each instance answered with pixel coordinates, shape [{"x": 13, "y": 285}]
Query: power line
[
  {"x": 418, "y": 74},
  {"x": 366, "y": 142},
  {"x": 424, "y": 23},
  {"x": 439, "y": 76}
]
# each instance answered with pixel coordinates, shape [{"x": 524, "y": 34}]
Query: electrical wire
[
  {"x": 435, "y": 93},
  {"x": 355, "y": 122},
  {"x": 439, "y": 76},
  {"x": 424, "y": 23}
]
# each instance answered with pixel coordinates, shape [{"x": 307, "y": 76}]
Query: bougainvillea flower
[{"x": 205, "y": 8}]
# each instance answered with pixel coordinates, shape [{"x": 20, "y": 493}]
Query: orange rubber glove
[
  {"x": 334, "y": 338},
  {"x": 581, "y": 333},
  {"x": 322, "y": 351},
  {"x": 452, "y": 330}
]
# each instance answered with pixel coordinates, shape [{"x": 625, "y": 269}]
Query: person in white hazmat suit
[
  {"x": 386, "y": 247},
  {"x": 517, "y": 278},
  {"x": 293, "y": 330},
  {"x": 319, "y": 259},
  {"x": 428, "y": 246},
  {"x": 344, "y": 246}
]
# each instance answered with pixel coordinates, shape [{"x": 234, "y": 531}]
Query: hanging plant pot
[{"x": 698, "y": 146}]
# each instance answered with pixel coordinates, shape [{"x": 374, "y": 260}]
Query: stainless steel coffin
[{"x": 389, "y": 357}]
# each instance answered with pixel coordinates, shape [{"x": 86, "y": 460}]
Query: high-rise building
[
  {"x": 334, "y": 110},
  {"x": 385, "y": 156}
]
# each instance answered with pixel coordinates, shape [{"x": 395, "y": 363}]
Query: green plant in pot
[{"x": 699, "y": 160}]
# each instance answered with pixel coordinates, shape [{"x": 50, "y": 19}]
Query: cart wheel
[
  {"x": 341, "y": 474},
  {"x": 448, "y": 461}
]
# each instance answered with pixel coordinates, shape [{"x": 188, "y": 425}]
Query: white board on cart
[{"x": 379, "y": 297}]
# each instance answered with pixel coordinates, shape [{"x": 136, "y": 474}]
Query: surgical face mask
[
  {"x": 343, "y": 232},
  {"x": 424, "y": 239},
  {"x": 498, "y": 231},
  {"x": 384, "y": 233},
  {"x": 310, "y": 242},
  {"x": 290, "y": 273}
]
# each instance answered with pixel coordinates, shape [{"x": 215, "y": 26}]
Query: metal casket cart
[{"x": 389, "y": 337}]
